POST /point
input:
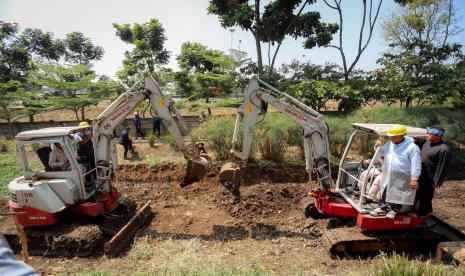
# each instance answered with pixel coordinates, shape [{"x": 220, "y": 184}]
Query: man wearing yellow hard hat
[
  {"x": 85, "y": 148},
  {"x": 400, "y": 172}
]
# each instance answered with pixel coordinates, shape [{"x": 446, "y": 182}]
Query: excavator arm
[
  {"x": 315, "y": 133},
  {"x": 104, "y": 131}
]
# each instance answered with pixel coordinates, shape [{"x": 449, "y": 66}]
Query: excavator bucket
[
  {"x": 230, "y": 177},
  {"x": 196, "y": 171}
]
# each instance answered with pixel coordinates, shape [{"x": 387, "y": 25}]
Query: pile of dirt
[
  {"x": 164, "y": 173},
  {"x": 263, "y": 201},
  {"x": 169, "y": 173}
]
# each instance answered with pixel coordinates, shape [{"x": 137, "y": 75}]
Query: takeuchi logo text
[
  {"x": 121, "y": 112},
  {"x": 295, "y": 114}
]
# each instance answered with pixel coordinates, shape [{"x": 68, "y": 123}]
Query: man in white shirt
[
  {"x": 400, "y": 173},
  {"x": 57, "y": 159}
]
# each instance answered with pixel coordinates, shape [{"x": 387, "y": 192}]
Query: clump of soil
[
  {"x": 460, "y": 255},
  {"x": 169, "y": 173},
  {"x": 263, "y": 201},
  {"x": 147, "y": 173}
]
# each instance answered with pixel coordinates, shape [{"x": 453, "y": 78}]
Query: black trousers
[
  {"x": 139, "y": 132},
  {"x": 388, "y": 206},
  {"x": 156, "y": 128},
  {"x": 127, "y": 146},
  {"x": 425, "y": 195}
]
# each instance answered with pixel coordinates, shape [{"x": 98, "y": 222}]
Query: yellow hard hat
[
  {"x": 82, "y": 124},
  {"x": 397, "y": 130}
]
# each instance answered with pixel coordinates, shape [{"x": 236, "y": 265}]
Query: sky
[{"x": 187, "y": 20}]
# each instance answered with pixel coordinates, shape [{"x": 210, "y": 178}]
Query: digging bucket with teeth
[{"x": 230, "y": 177}]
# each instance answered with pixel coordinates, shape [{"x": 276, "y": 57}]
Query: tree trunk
[
  {"x": 83, "y": 115},
  {"x": 31, "y": 118},
  {"x": 76, "y": 113},
  {"x": 207, "y": 100},
  {"x": 408, "y": 101},
  {"x": 11, "y": 128},
  {"x": 257, "y": 36}
]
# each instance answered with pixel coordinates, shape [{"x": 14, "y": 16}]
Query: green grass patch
[
  {"x": 156, "y": 161},
  {"x": 217, "y": 270},
  {"x": 10, "y": 171},
  {"x": 169, "y": 139},
  {"x": 393, "y": 265}
]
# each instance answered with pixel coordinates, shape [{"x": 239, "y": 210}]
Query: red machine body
[
  {"x": 332, "y": 204},
  {"x": 32, "y": 217}
]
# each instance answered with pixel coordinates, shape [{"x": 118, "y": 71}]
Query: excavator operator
[{"x": 85, "y": 149}]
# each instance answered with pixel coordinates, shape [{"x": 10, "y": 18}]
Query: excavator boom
[{"x": 315, "y": 133}]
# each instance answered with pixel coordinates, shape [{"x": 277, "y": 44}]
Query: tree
[
  {"x": 185, "y": 83},
  {"x": 370, "y": 13},
  {"x": 317, "y": 93},
  {"x": 369, "y": 18},
  {"x": 457, "y": 81},
  {"x": 14, "y": 56},
  {"x": 43, "y": 45},
  {"x": 213, "y": 69},
  {"x": 432, "y": 21},
  {"x": 316, "y": 85},
  {"x": 149, "y": 51},
  {"x": 420, "y": 71},
  {"x": 274, "y": 23},
  {"x": 70, "y": 87},
  {"x": 81, "y": 50},
  {"x": 420, "y": 55},
  {"x": 10, "y": 103}
]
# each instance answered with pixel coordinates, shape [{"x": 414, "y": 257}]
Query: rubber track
[{"x": 351, "y": 240}]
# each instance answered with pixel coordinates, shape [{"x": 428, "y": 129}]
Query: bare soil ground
[{"x": 202, "y": 226}]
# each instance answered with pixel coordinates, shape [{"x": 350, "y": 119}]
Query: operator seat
[{"x": 44, "y": 154}]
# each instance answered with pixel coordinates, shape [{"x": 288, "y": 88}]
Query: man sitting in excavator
[{"x": 400, "y": 173}]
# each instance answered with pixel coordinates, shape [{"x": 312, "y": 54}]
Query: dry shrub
[
  {"x": 169, "y": 139},
  {"x": 3, "y": 144},
  {"x": 272, "y": 144},
  {"x": 386, "y": 265},
  {"x": 151, "y": 140}
]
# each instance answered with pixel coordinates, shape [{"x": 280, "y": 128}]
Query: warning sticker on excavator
[
  {"x": 248, "y": 108},
  {"x": 162, "y": 103}
]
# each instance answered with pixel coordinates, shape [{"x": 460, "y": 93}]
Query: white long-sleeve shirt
[
  {"x": 57, "y": 159},
  {"x": 405, "y": 157}
]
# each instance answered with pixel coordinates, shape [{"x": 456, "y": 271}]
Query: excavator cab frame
[{"x": 345, "y": 201}]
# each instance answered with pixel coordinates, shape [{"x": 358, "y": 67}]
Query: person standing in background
[
  {"x": 138, "y": 125},
  {"x": 156, "y": 124}
]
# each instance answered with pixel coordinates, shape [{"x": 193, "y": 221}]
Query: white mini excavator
[
  {"x": 345, "y": 199},
  {"x": 44, "y": 198}
]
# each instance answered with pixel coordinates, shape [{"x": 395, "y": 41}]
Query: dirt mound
[
  {"x": 169, "y": 173},
  {"x": 147, "y": 173},
  {"x": 263, "y": 201}
]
